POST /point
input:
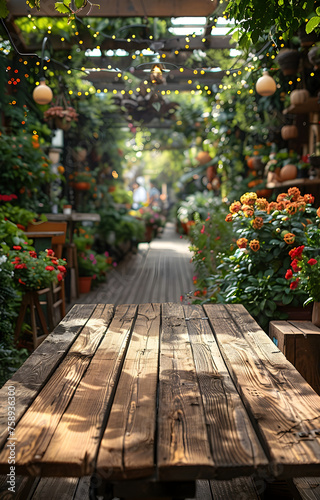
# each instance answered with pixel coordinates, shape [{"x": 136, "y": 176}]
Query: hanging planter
[
  {"x": 289, "y": 132},
  {"x": 61, "y": 114},
  {"x": 288, "y": 60},
  {"x": 299, "y": 96}
]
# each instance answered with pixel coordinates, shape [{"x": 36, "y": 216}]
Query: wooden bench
[
  {"x": 300, "y": 343},
  {"x": 149, "y": 399}
]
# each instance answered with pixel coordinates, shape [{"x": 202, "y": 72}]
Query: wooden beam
[{"x": 124, "y": 8}]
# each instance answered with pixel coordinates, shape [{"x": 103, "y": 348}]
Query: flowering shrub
[
  {"x": 254, "y": 274},
  {"x": 32, "y": 271}
]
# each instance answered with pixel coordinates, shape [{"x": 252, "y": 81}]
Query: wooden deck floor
[{"x": 159, "y": 272}]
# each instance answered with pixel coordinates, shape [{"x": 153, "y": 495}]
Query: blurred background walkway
[{"x": 159, "y": 272}]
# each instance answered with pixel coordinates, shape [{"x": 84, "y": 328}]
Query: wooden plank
[
  {"x": 22, "y": 486},
  {"x": 308, "y": 487},
  {"x": 127, "y": 447},
  {"x": 183, "y": 449},
  {"x": 37, "y": 426},
  {"x": 235, "y": 447},
  {"x": 32, "y": 375},
  {"x": 283, "y": 407},
  {"x": 55, "y": 488},
  {"x": 74, "y": 443},
  {"x": 235, "y": 489},
  {"x": 300, "y": 343}
]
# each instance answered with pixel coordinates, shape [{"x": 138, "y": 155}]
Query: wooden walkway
[{"x": 159, "y": 272}]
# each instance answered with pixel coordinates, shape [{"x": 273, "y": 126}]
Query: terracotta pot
[
  {"x": 288, "y": 172},
  {"x": 289, "y": 132},
  {"x": 148, "y": 233},
  {"x": 81, "y": 186},
  {"x": 203, "y": 157},
  {"x": 84, "y": 284},
  {"x": 299, "y": 96},
  {"x": 316, "y": 314}
]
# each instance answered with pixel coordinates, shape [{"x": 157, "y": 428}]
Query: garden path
[{"x": 159, "y": 272}]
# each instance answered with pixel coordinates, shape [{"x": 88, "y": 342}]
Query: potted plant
[
  {"x": 61, "y": 114},
  {"x": 86, "y": 269},
  {"x": 82, "y": 181}
]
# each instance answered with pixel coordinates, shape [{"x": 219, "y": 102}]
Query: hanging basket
[{"x": 62, "y": 123}]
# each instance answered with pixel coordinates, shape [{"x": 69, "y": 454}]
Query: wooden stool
[{"x": 31, "y": 300}]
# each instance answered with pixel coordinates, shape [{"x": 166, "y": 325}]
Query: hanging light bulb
[
  {"x": 42, "y": 94},
  {"x": 156, "y": 73},
  {"x": 266, "y": 85}
]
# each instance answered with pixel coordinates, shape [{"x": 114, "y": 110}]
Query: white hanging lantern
[
  {"x": 42, "y": 94},
  {"x": 266, "y": 85}
]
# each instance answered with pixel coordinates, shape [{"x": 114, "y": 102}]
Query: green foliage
[
  {"x": 11, "y": 359},
  {"x": 284, "y": 16}
]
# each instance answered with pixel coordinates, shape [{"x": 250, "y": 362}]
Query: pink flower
[{"x": 202, "y": 229}]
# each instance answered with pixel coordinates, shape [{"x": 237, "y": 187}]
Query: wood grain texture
[
  {"x": 76, "y": 438},
  {"x": 240, "y": 488},
  {"x": 37, "y": 426},
  {"x": 23, "y": 487},
  {"x": 235, "y": 447},
  {"x": 127, "y": 448},
  {"x": 183, "y": 448},
  {"x": 62, "y": 488},
  {"x": 32, "y": 375},
  {"x": 308, "y": 487},
  {"x": 281, "y": 404}
]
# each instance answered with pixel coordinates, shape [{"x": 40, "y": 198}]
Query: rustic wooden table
[{"x": 152, "y": 397}]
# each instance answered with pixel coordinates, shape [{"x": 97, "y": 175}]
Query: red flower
[
  {"x": 60, "y": 277},
  {"x": 49, "y": 268},
  {"x": 50, "y": 252},
  {"x": 296, "y": 252},
  {"x": 16, "y": 247},
  {"x": 33, "y": 254},
  {"x": 62, "y": 269},
  {"x": 312, "y": 262},
  {"x": 289, "y": 274},
  {"x": 20, "y": 226},
  {"x": 21, "y": 282},
  {"x": 294, "y": 265},
  {"x": 20, "y": 266},
  {"x": 294, "y": 284}
]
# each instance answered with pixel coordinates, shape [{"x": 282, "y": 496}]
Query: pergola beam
[{"x": 123, "y": 8}]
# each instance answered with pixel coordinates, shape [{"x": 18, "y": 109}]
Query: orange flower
[
  {"x": 229, "y": 218},
  {"x": 308, "y": 198},
  {"x": 257, "y": 222},
  {"x": 248, "y": 198},
  {"x": 262, "y": 204},
  {"x": 292, "y": 208},
  {"x": 254, "y": 245},
  {"x": 235, "y": 207},
  {"x": 282, "y": 197},
  {"x": 289, "y": 238},
  {"x": 242, "y": 242},
  {"x": 272, "y": 206},
  {"x": 318, "y": 212},
  {"x": 294, "y": 193},
  {"x": 247, "y": 210},
  {"x": 60, "y": 169},
  {"x": 282, "y": 205}
]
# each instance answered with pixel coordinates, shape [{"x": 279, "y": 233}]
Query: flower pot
[
  {"x": 62, "y": 123},
  {"x": 85, "y": 284},
  {"x": 316, "y": 314},
  {"x": 148, "y": 233},
  {"x": 81, "y": 186},
  {"x": 67, "y": 209}
]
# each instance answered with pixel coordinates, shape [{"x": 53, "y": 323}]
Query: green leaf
[
  {"x": 62, "y": 8},
  {"x": 312, "y": 24},
  {"x": 3, "y": 8},
  {"x": 287, "y": 299}
]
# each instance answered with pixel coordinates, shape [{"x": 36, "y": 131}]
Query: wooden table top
[
  {"x": 74, "y": 217},
  {"x": 160, "y": 390}
]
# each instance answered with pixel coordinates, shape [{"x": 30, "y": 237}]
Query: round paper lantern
[
  {"x": 42, "y": 94},
  {"x": 299, "y": 96},
  {"x": 203, "y": 157},
  {"x": 289, "y": 132},
  {"x": 288, "y": 172},
  {"x": 266, "y": 85}
]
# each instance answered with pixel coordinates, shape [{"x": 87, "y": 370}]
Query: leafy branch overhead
[
  {"x": 70, "y": 8},
  {"x": 282, "y": 16}
]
